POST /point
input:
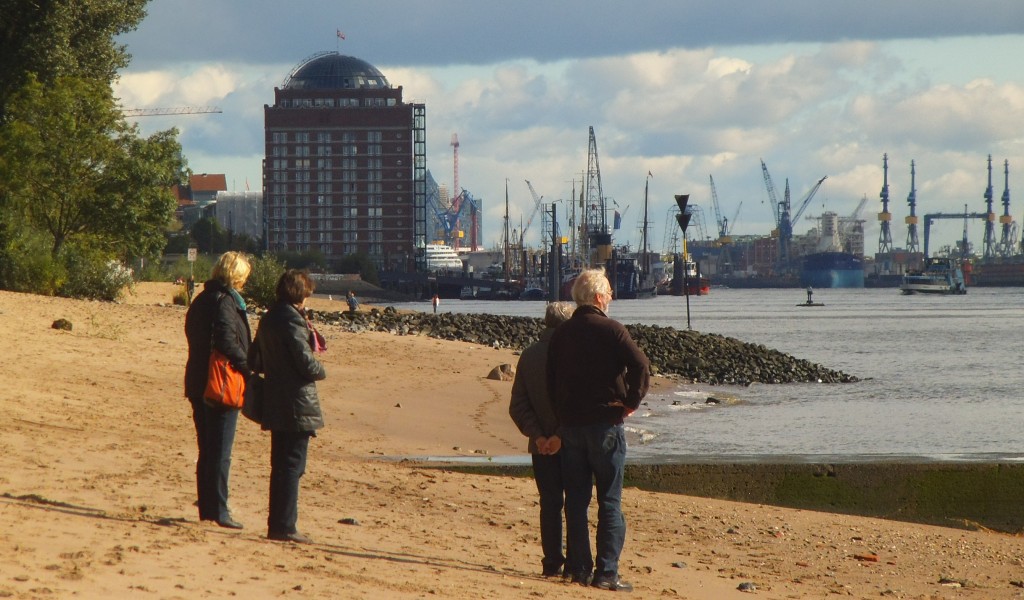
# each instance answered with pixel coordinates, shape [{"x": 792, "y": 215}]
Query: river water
[{"x": 941, "y": 377}]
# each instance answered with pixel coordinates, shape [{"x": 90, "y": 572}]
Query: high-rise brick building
[{"x": 345, "y": 166}]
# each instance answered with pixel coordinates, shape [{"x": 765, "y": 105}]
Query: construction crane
[
  {"x": 723, "y": 224},
  {"x": 537, "y": 200},
  {"x": 732, "y": 223},
  {"x": 724, "y": 264},
  {"x": 807, "y": 200},
  {"x": 771, "y": 192},
  {"x": 158, "y": 112}
]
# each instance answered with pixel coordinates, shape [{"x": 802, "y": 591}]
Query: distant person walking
[
  {"x": 353, "y": 302},
  {"x": 216, "y": 319},
  {"x": 596, "y": 376},
  {"x": 436, "y": 300},
  {"x": 534, "y": 415},
  {"x": 283, "y": 352}
]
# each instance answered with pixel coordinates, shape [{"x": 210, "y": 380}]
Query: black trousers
[
  {"x": 287, "y": 465},
  {"x": 215, "y": 434}
]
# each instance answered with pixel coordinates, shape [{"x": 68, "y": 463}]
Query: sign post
[
  {"x": 683, "y": 218},
  {"x": 192, "y": 255}
]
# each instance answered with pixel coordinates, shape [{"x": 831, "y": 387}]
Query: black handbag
[{"x": 252, "y": 408}]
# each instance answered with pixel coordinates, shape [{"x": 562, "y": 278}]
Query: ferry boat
[
  {"x": 941, "y": 275},
  {"x": 441, "y": 257}
]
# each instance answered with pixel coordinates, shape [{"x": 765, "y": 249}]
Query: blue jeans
[
  {"x": 594, "y": 454},
  {"x": 547, "y": 472},
  {"x": 215, "y": 433},
  {"x": 288, "y": 451}
]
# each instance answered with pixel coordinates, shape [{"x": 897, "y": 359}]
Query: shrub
[
  {"x": 26, "y": 265},
  {"x": 93, "y": 274},
  {"x": 260, "y": 287}
]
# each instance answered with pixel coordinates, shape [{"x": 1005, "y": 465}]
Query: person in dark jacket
[
  {"x": 534, "y": 415},
  {"x": 596, "y": 377},
  {"x": 217, "y": 319},
  {"x": 291, "y": 411}
]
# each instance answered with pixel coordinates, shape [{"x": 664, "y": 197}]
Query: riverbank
[{"x": 97, "y": 456}]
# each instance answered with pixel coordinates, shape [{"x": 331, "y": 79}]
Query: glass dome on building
[{"x": 334, "y": 71}]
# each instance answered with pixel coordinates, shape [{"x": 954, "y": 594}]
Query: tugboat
[{"x": 941, "y": 275}]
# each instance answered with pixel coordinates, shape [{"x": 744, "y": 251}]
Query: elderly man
[
  {"x": 596, "y": 377},
  {"x": 534, "y": 415}
]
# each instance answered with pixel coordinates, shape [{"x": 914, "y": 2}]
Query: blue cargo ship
[{"x": 832, "y": 270}]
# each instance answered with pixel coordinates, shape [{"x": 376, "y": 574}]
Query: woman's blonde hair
[
  {"x": 232, "y": 269},
  {"x": 589, "y": 284}
]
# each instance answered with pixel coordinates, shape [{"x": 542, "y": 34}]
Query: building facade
[{"x": 345, "y": 166}]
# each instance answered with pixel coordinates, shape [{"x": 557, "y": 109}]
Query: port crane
[
  {"x": 783, "y": 220},
  {"x": 537, "y": 201},
  {"x": 724, "y": 230},
  {"x": 1008, "y": 240}
]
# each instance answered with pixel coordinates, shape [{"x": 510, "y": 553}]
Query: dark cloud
[{"x": 440, "y": 32}]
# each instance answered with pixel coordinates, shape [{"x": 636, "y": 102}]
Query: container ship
[{"x": 832, "y": 270}]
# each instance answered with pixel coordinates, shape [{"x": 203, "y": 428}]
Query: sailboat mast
[
  {"x": 643, "y": 245},
  {"x": 507, "y": 257}
]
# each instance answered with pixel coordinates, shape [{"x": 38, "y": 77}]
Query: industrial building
[{"x": 345, "y": 167}]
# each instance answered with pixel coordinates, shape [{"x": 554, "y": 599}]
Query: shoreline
[{"x": 97, "y": 463}]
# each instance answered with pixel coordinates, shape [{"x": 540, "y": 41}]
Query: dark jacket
[
  {"x": 214, "y": 320},
  {"x": 530, "y": 407},
  {"x": 592, "y": 361},
  {"x": 282, "y": 353}
]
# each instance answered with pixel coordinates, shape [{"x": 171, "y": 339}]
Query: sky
[{"x": 680, "y": 89}]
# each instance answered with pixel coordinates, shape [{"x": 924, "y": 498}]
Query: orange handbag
[{"x": 225, "y": 387}]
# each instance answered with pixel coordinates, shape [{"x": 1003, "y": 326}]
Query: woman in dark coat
[
  {"x": 291, "y": 407},
  {"x": 216, "y": 319}
]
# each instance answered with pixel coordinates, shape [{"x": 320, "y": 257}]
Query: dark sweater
[
  {"x": 530, "y": 407},
  {"x": 592, "y": 362}
]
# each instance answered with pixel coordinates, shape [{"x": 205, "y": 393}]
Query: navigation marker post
[{"x": 683, "y": 218}]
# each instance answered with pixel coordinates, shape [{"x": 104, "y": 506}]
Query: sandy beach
[{"x": 97, "y": 463}]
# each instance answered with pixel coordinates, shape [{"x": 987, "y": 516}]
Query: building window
[{"x": 373, "y": 136}]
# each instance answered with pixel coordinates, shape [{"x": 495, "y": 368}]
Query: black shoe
[
  {"x": 580, "y": 578},
  {"x": 551, "y": 572},
  {"x": 229, "y": 523},
  {"x": 296, "y": 538},
  {"x": 611, "y": 583}
]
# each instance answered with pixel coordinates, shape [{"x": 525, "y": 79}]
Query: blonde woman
[{"x": 216, "y": 319}]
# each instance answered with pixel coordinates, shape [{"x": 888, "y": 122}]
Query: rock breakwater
[{"x": 703, "y": 358}]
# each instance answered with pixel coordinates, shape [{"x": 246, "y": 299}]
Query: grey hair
[
  {"x": 558, "y": 313},
  {"x": 589, "y": 284}
]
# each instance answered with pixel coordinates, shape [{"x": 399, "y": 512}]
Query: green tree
[
  {"x": 72, "y": 164},
  {"x": 209, "y": 236},
  {"x": 63, "y": 38},
  {"x": 359, "y": 263}
]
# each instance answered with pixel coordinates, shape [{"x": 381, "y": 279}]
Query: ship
[
  {"x": 1007, "y": 272},
  {"x": 442, "y": 257},
  {"x": 629, "y": 279},
  {"x": 832, "y": 270},
  {"x": 941, "y": 275},
  {"x": 690, "y": 282}
]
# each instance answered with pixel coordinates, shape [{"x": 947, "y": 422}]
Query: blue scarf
[{"x": 238, "y": 297}]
